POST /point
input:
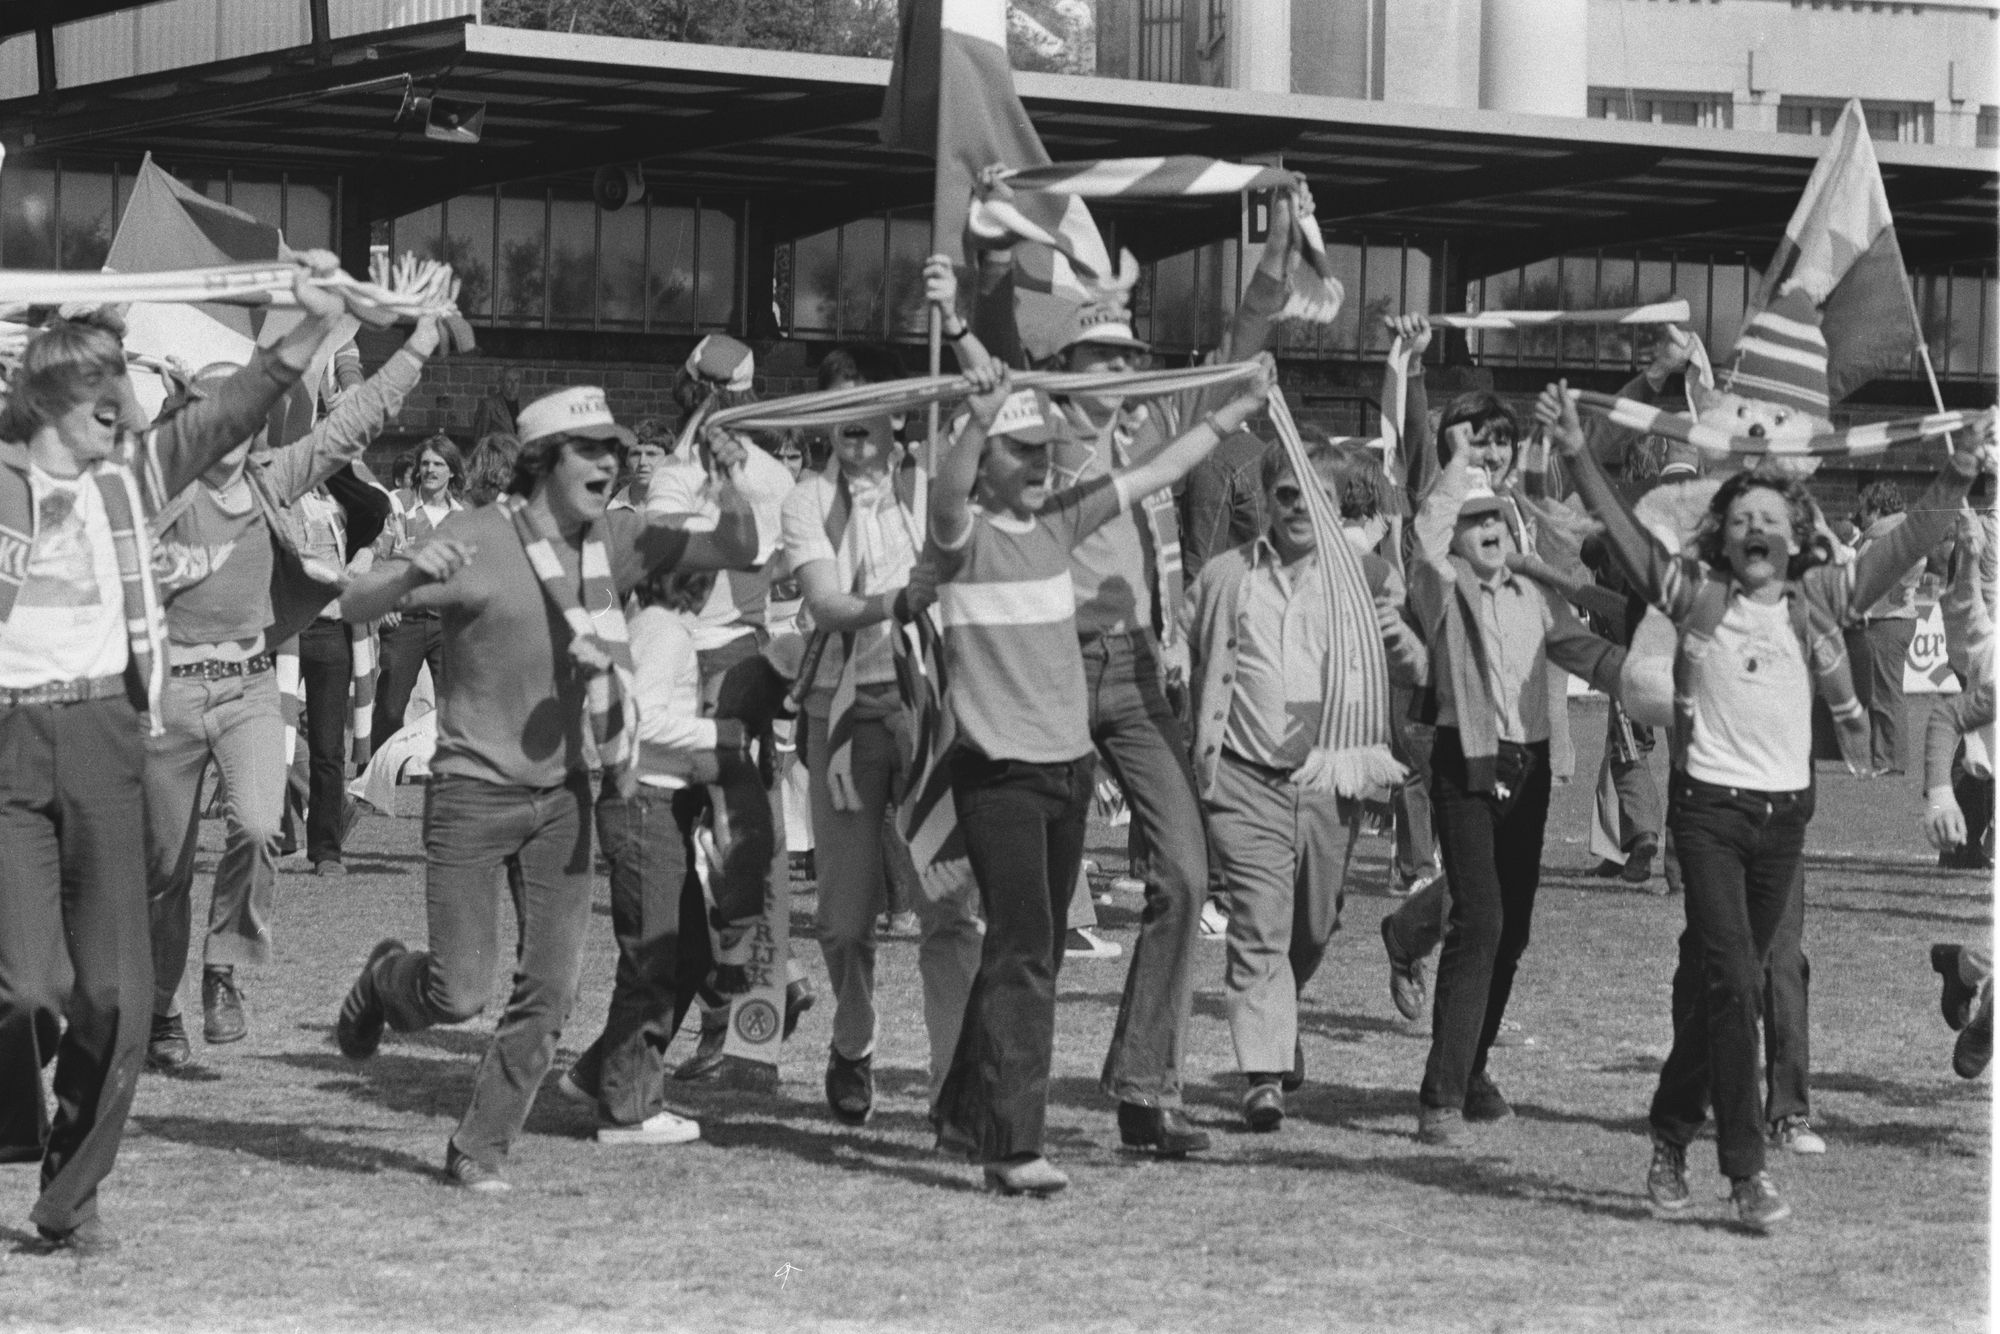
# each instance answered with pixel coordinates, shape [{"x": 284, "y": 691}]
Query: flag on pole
[
  {"x": 962, "y": 45},
  {"x": 1840, "y": 252}
]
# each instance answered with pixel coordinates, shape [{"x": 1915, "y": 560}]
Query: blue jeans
[
  {"x": 1024, "y": 826},
  {"x": 73, "y": 943},
  {"x": 659, "y": 966},
  {"x": 235, "y": 722},
  {"x": 1141, "y": 742},
  {"x": 1740, "y": 853},
  {"x": 472, "y": 829}
]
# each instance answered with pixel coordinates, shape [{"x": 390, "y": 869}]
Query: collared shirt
[
  {"x": 1513, "y": 641},
  {"x": 883, "y": 540},
  {"x": 1282, "y": 645}
]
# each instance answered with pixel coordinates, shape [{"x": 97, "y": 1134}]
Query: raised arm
[
  {"x": 180, "y": 449},
  {"x": 1172, "y": 462},
  {"x": 1925, "y": 524},
  {"x": 951, "y": 489},
  {"x": 345, "y": 433},
  {"x": 1666, "y": 579}
]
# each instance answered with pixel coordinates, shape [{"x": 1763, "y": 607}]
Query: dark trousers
[
  {"x": 1492, "y": 849},
  {"x": 1877, "y": 651},
  {"x": 417, "y": 639},
  {"x": 74, "y": 943},
  {"x": 326, "y": 671},
  {"x": 658, "y": 964},
  {"x": 1023, "y": 825},
  {"x": 1140, "y": 740},
  {"x": 1787, "y": 1023},
  {"x": 1410, "y": 801},
  {"x": 472, "y": 829},
  {"x": 1740, "y": 854}
]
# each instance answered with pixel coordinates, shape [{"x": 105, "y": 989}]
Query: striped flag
[
  {"x": 962, "y": 45},
  {"x": 1840, "y": 252},
  {"x": 1316, "y": 298},
  {"x": 1854, "y": 442},
  {"x": 926, "y": 816}
]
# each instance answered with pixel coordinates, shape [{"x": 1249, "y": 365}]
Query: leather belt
[
  {"x": 217, "y": 669},
  {"x": 65, "y": 692}
]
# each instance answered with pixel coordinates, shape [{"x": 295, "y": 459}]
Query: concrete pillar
[
  {"x": 1532, "y": 56},
  {"x": 1260, "y": 45}
]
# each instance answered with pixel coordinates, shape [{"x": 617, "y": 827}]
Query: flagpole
[{"x": 937, "y": 368}]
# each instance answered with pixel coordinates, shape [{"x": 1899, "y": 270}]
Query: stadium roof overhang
[{"x": 1502, "y": 188}]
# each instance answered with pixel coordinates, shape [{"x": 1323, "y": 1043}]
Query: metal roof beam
[
  {"x": 718, "y": 129},
  {"x": 1435, "y": 189}
]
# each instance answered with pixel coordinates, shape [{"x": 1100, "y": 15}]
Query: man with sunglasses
[
  {"x": 1260, "y": 637},
  {"x": 1128, "y": 595}
]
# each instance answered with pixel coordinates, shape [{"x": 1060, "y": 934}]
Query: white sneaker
[
  {"x": 1796, "y": 1133},
  {"x": 1083, "y": 943},
  {"x": 1214, "y": 922},
  {"x": 662, "y": 1127}
]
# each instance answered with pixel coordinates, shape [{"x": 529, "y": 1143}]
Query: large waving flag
[
  {"x": 1035, "y": 191},
  {"x": 1840, "y": 252},
  {"x": 962, "y": 45}
]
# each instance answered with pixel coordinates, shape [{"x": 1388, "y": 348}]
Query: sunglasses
[{"x": 1290, "y": 495}]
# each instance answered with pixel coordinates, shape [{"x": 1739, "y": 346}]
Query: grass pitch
[{"x": 281, "y": 1187}]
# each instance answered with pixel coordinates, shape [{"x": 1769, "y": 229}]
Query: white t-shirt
[
  {"x": 1752, "y": 702},
  {"x": 666, "y": 686},
  {"x": 736, "y": 604},
  {"x": 68, "y": 622}
]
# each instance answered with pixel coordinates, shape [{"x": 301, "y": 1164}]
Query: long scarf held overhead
[
  {"x": 1853, "y": 442},
  {"x": 402, "y": 291},
  {"x": 597, "y": 643}
]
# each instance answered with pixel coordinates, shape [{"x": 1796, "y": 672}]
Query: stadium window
[
  {"x": 1709, "y": 111},
  {"x": 1888, "y": 122},
  {"x": 860, "y": 280},
  {"x": 1161, "y": 27},
  {"x": 527, "y": 255}
]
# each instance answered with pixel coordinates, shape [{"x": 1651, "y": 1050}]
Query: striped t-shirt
[{"x": 1013, "y": 668}]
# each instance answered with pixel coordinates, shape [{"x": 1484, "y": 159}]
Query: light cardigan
[
  {"x": 1444, "y": 601},
  {"x": 1214, "y": 608}
]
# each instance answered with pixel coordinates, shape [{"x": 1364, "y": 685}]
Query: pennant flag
[
  {"x": 1840, "y": 252},
  {"x": 1854, "y": 442}
]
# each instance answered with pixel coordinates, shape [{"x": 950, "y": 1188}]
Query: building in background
[{"x": 629, "y": 195}]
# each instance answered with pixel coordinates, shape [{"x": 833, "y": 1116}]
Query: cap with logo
[
  {"x": 580, "y": 412},
  {"x": 1028, "y": 417},
  {"x": 1480, "y": 497}
]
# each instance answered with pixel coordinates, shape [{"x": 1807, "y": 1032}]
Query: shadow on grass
[
  {"x": 287, "y": 1143},
  {"x": 1896, "y": 1092},
  {"x": 411, "y": 1084},
  {"x": 1959, "y": 921}
]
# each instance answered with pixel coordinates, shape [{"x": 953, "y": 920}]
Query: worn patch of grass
[{"x": 279, "y": 1186}]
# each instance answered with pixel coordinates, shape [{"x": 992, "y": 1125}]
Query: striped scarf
[
  {"x": 597, "y": 644},
  {"x": 1854, "y": 442},
  {"x": 1160, "y": 534},
  {"x": 363, "y": 668},
  {"x": 854, "y": 561},
  {"x": 145, "y": 619},
  {"x": 1354, "y": 725}
]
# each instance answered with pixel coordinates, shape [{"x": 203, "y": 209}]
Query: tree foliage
[{"x": 831, "y": 27}]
